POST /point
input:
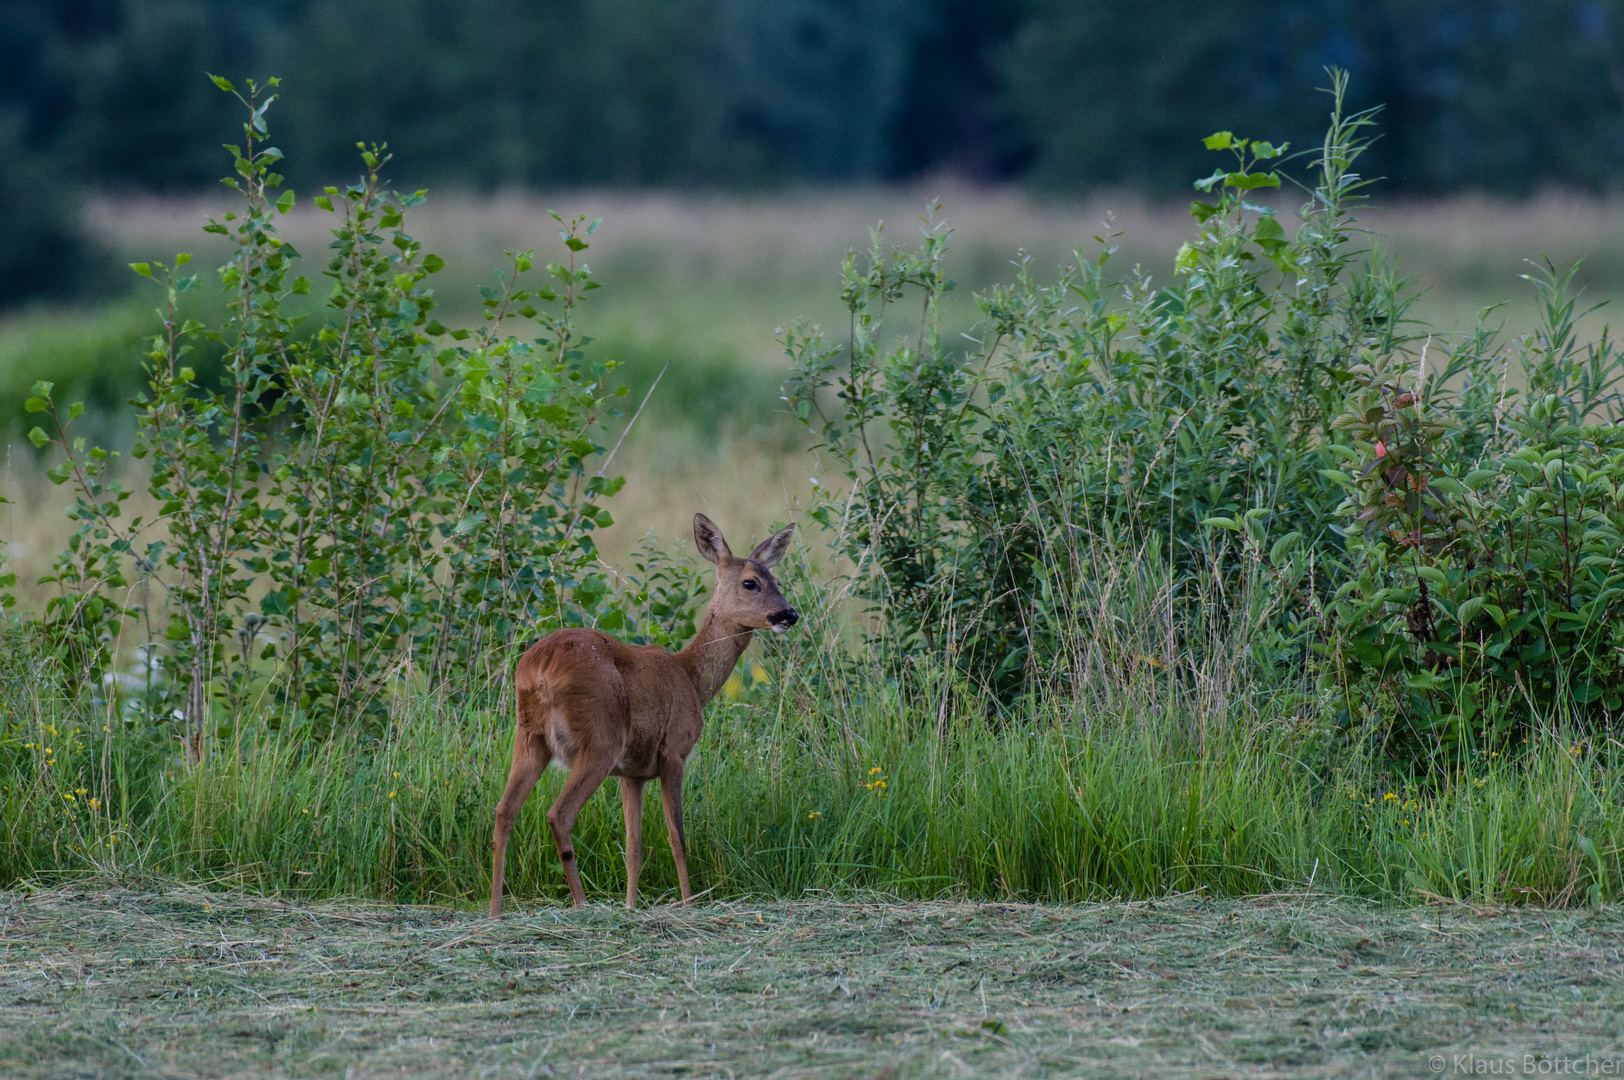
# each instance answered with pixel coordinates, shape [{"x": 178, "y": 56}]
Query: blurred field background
[{"x": 702, "y": 283}]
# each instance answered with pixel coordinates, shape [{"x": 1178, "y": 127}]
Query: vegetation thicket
[
  {"x": 1268, "y": 434},
  {"x": 1233, "y": 582}
]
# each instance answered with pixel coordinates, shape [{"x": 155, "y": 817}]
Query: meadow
[{"x": 1199, "y": 854}]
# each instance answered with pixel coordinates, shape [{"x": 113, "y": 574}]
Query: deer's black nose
[{"x": 786, "y": 618}]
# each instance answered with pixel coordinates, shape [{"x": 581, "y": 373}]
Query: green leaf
[
  {"x": 1219, "y": 140},
  {"x": 468, "y": 524},
  {"x": 1424, "y": 680},
  {"x": 285, "y": 203},
  {"x": 35, "y": 404},
  {"x": 1284, "y": 546},
  {"x": 76, "y": 410},
  {"x": 144, "y": 269},
  {"x": 223, "y": 83},
  {"x": 1248, "y": 181},
  {"x": 1268, "y": 229},
  {"x": 38, "y": 438},
  {"x": 1523, "y": 468},
  {"x": 433, "y": 264}
]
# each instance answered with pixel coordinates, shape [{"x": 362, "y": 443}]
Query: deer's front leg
[
  {"x": 671, "y": 798},
  {"x": 631, "y": 805}
]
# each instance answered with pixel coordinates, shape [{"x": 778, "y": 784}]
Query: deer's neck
[{"x": 710, "y": 656}]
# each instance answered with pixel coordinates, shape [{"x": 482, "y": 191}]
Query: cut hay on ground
[{"x": 161, "y": 980}]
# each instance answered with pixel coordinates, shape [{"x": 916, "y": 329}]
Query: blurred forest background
[
  {"x": 735, "y": 148},
  {"x": 1501, "y": 96}
]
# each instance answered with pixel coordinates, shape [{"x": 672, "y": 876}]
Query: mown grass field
[{"x": 148, "y": 978}]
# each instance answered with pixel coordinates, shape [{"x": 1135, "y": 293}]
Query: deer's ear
[
  {"x": 709, "y": 539},
  {"x": 772, "y": 549}
]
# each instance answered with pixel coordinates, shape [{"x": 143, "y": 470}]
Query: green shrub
[
  {"x": 1443, "y": 552},
  {"x": 379, "y": 503},
  {"x": 981, "y": 481},
  {"x": 1486, "y": 540}
]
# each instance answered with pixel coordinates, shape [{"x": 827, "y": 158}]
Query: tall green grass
[{"x": 829, "y": 777}]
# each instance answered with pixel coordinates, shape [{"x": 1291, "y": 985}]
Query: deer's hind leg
[
  {"x": 531, "y": 755},
  {"x": 587, "y": 775}
]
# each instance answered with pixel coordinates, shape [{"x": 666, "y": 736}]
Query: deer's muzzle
[{"x": 783, "y": 620}]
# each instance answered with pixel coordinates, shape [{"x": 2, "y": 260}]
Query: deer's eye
[{"x": 749, "y": 583}]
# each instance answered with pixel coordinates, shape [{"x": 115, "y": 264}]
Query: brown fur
[{"x": 603, "y": 708}]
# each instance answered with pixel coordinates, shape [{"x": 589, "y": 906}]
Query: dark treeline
[{"x": 1499, "y": 95}]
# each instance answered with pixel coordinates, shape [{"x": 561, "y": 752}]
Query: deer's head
[{"x": 746, "y": 592}]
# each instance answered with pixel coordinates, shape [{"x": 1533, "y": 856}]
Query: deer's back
[{"x": 584, "y": 691}]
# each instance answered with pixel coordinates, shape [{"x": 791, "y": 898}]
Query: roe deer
[{"x": 604, "y": 708}]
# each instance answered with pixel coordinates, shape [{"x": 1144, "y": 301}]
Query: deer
[{"x": 601, "y": 708}]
